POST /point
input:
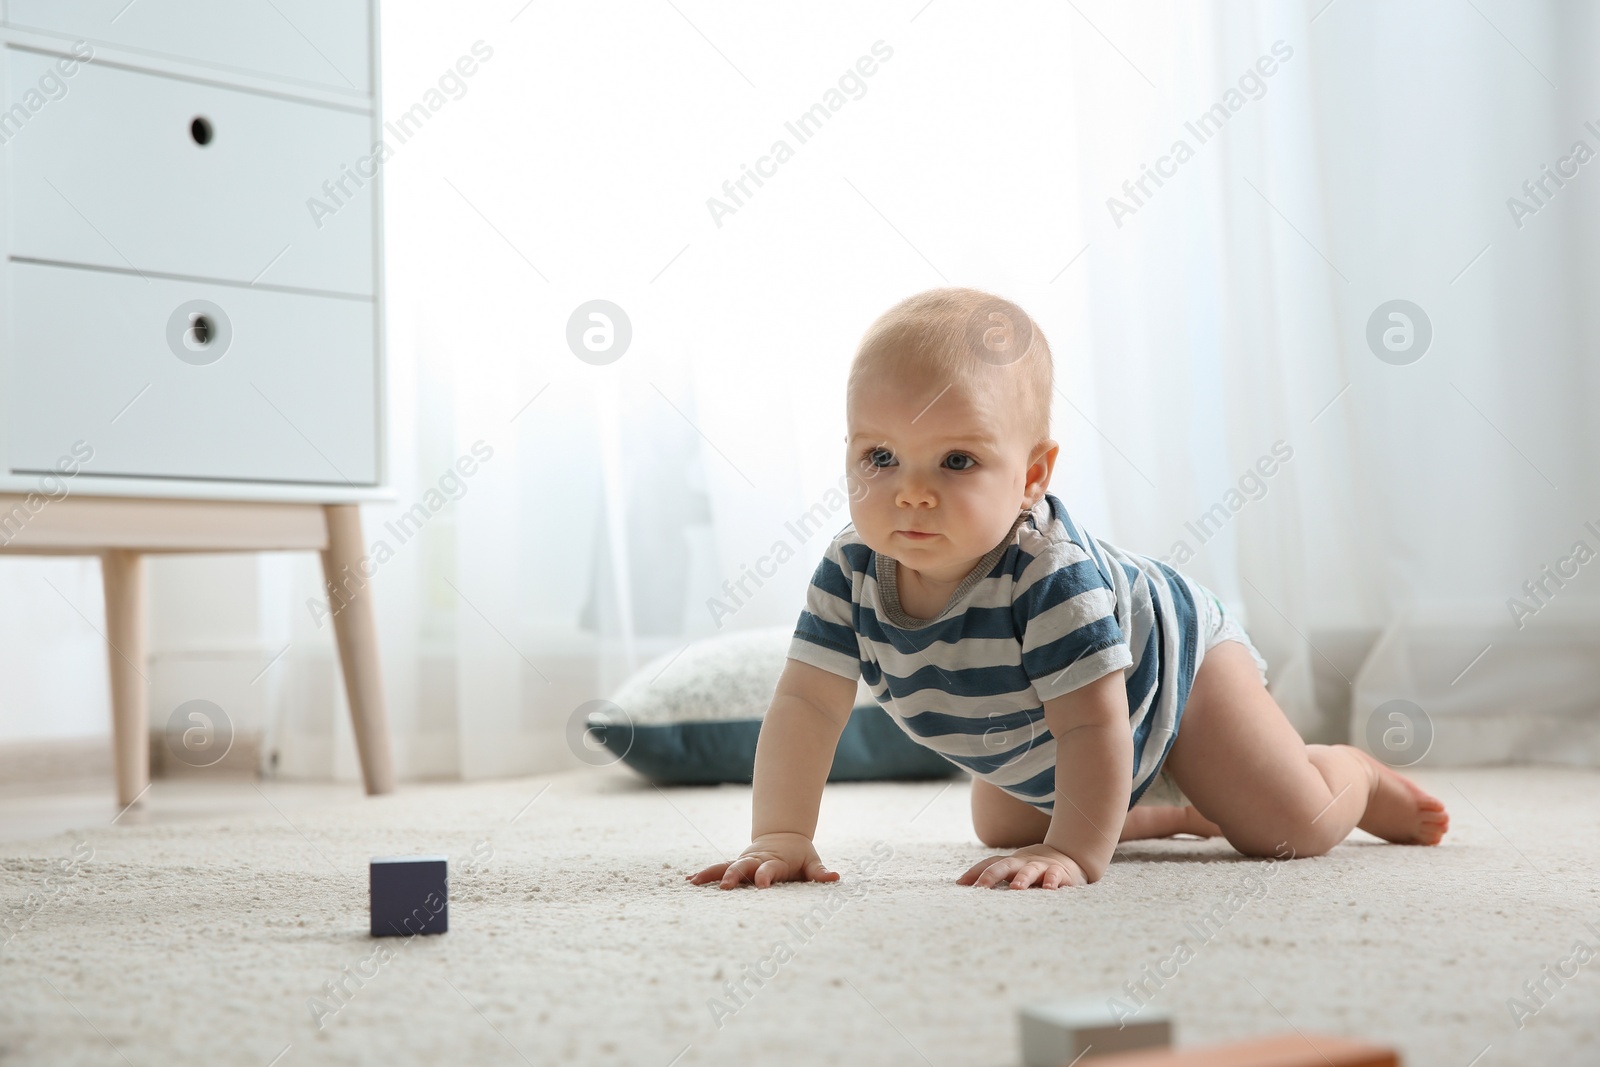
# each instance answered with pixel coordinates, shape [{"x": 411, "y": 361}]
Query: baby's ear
[{"x": 1041, "y": 467}]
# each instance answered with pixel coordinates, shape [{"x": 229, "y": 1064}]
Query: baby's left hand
[{"x": 1034, "y": 865}]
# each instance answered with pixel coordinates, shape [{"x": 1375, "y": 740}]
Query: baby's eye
[
  {"x": 880, "y": 457},
  {"x": 960, "y": 461}
]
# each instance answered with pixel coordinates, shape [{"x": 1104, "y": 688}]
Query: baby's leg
[
  {"x": 1242, "y": 764},
  {"x": 1165, "y": 820},
  {"x": 1003, "y": 821}
]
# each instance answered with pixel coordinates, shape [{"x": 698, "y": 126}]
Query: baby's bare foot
[{"x": 1399, "y": 809}]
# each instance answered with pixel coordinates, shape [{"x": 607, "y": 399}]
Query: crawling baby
[{"x": 1064, "y": 673}]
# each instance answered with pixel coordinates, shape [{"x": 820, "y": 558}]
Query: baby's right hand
[{"x": 770, "y": 858}]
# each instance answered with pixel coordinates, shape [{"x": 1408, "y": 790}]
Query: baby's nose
[{"x": 914, "y": 494}]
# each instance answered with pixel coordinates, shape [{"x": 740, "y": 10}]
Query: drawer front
[
  {"x": 112, "y": 173},
  {"x": 120, "y": 363},
  {"x": 320, "y": 42}
]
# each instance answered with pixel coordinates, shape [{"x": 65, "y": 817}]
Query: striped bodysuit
[{"x": 1046, "y": 611}]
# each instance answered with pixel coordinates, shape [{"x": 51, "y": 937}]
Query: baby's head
[{"x": 948, "y": 412}]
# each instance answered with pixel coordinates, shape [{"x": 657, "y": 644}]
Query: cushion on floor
[{"x": 693, "y": 716}]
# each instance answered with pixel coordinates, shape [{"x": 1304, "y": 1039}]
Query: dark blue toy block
[{"x": 409, "y": 895}]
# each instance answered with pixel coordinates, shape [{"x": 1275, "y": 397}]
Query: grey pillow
[{"x": 695, "y": 719}]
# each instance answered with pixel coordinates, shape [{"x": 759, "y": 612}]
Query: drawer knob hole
[
  {"x": 200, "y": 130},
  {"x": 199, "y": 332}
]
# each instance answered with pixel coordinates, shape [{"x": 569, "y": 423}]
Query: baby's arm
[
  {"x": 1094, "y": 776},
  {"x": 793, "y": 756}
]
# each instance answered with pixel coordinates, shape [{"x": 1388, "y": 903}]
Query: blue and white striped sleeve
[
  {"x": 825, "y": 636},
  {"x": 1066, "y": 611}
]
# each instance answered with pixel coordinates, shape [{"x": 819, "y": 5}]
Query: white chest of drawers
[
  {"x": 192, "y": 248},
  {"x": 192, "y": 306}
]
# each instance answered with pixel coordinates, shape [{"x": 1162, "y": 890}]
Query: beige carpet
[{"x": 578, "y": 941}]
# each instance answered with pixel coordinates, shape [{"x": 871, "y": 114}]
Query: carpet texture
[{"x": 574, "y": 939}]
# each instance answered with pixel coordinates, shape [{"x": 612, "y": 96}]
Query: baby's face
[{"x": 944, "y": 470}]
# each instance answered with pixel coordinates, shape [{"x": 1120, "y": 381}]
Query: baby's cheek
[
  {"x": 870, "y": 526},
  {"x": 861, "y": 512},
  {"x": 986, "y": 517}
]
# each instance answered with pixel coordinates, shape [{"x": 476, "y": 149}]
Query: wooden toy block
[
  {"x": 1057, "y": 1033},
  {"x": 409, "y": 895},
  {"x": 1286, "y": 1050}
]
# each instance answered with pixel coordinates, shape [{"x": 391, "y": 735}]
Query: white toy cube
[{"x": 1056, "y": 1034}]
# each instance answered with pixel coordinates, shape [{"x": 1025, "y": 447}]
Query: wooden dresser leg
[
  {"x": 350, "y": 601},
  {"x": 122, "y": 572}
]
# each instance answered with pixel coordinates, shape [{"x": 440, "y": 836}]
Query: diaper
[{"x": 1216, "y": 626}]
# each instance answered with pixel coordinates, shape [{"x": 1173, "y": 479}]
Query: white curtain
[
  {"x": 1230, "y": 314},
  {"x": 1218, "y": 401}
]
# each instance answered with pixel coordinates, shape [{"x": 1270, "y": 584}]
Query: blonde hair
[{"x": 967, "y": 336}]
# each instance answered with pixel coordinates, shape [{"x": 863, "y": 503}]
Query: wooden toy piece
[
  {"x": 409, "y": 895},
  {"x": 1286, "y": 1050},
  {"x": 1059, "y": 1032}
]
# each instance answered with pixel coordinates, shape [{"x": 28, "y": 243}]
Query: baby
[{"x": 1064, "y": 673}]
